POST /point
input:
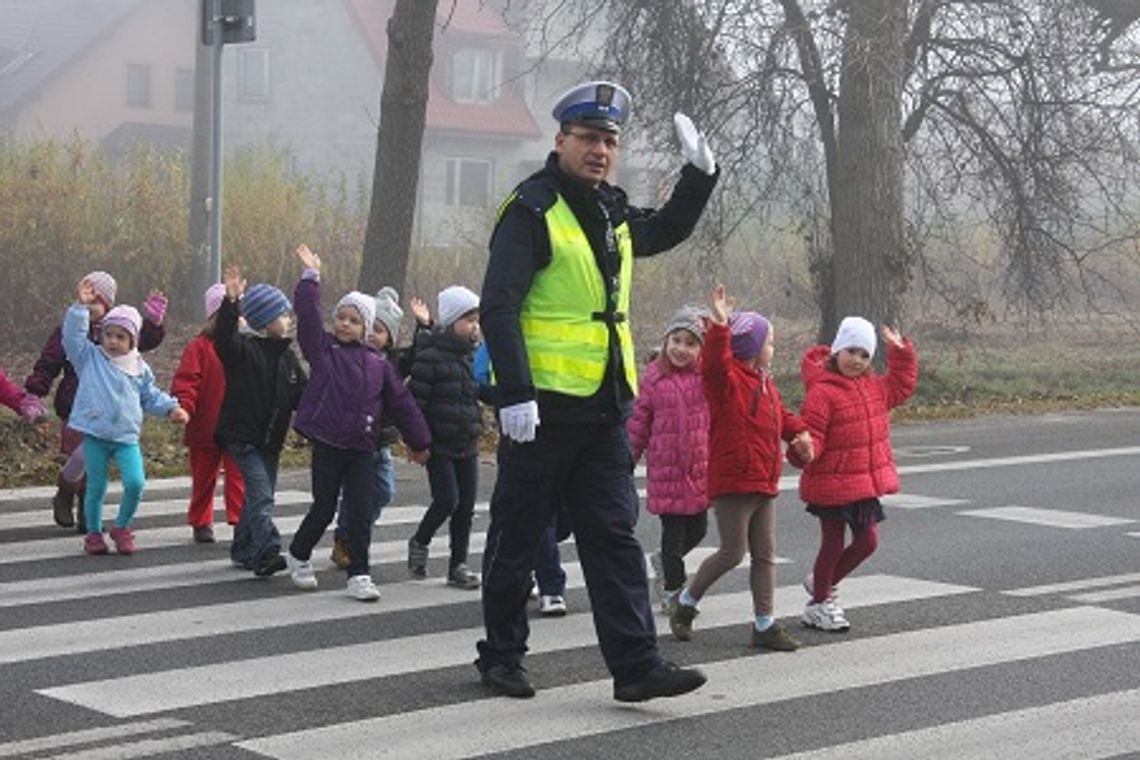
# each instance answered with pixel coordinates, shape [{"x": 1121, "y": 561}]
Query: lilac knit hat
[{"x": 749, "y": 332}]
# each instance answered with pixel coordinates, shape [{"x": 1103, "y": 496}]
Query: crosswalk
[{"x": 174, "y": 653}]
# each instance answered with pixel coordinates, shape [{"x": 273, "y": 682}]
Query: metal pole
[{"x": 215, "y": 201}]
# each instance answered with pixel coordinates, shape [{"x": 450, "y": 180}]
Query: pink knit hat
[
  {"x": 213, "y": 298},
  {"x": 105, "y": 287},
  {"x": 126, "y": 317}
]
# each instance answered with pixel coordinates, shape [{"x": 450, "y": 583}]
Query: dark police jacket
[{"x": 520, "y": 247}]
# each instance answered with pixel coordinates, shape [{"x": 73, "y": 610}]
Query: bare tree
[
  {"x": 910, "y": 125},
  {"x": 403, "y": 110}
]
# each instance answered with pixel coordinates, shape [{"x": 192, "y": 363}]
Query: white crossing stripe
[
  {"x": 88, "y": 736},
  {"x": 914, "y": 501},
  {"x": 149, "y": 747},
  {"x": 297, "y": 607},
  {"x": 186, "y": 687},
  {"x": 1112, "y": 595},
  {"x": 1053, "y": 518},
  {"x": 1091, "y": 727},
  {"x": 584, "y": 709},
  {"x": 1081, "y": 585}
]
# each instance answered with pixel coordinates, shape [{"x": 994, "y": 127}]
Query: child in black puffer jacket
[{"x": 445, "y": 387}]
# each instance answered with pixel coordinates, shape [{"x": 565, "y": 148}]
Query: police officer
[{"x": 556, "y": 318}]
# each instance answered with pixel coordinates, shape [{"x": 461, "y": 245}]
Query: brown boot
[{"x": 61, "y": 503}]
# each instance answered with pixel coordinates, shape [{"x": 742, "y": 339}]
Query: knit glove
[
  {"x": 31, "y": 408},
  {"x": 519, "y": 421},
  {"x": 154, "y": 307},
  {"x": 694, "y": 147}
]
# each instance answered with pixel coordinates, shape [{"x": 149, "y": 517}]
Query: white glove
[
  {"x": 518, "y": 421},
  {"x": 694, "y": 147}
]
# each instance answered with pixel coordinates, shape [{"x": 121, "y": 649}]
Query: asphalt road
[{"x": 999, "y": 618}]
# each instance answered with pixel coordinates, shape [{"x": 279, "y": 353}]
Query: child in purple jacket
[{"x": 349, "y": 385}]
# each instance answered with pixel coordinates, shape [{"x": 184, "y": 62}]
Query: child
[
  {"x": 747, "y": 422},
  {"x": 200, "y": 385},
  {"x": 53, "y": 360},
  {"x": 382, "y": 337},
  {"x": 846, "y": 408},
  {"x": 115, "y": 387},
  {"x": 264, "y": 381},
  {"x": 351, "y": 386},
  {"x": 25, "y": 404},
  {"x": 670, "y": 420},
  {"x": 444, "y": 385}
]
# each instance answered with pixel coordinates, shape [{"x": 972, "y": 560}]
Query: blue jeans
[
  {"x": 255, "y": 536},
  {"x": 548, "y": 566},
  {"x": 99, "y": 453},
  {"x": 385, "y": 490}
]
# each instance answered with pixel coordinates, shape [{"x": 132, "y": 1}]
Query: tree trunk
[
  {"x": 403, "y": 109},
  {"x": 868, "y": 274}
]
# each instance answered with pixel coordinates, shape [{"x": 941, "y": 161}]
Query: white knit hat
[
  {"x": 855, "y": 332},
  {"x": 454, "y": 302},
  {"x": 388, "y": 311},
  {"x": 364, "y": 304}
]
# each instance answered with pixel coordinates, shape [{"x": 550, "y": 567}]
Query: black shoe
[
  {"x": 665, "y": 680},
  {"x": 204, "y": 534},
  {"x": 508, "y": 681},
  {"x": 270, "y": 564}
]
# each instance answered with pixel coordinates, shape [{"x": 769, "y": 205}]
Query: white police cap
[{"x": 601, "y": 105}]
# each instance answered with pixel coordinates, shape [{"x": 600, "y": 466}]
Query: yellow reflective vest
[{"x": 563, "y": 316}]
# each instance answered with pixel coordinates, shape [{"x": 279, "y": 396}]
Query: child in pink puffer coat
[{"x": 671, "y": 421}]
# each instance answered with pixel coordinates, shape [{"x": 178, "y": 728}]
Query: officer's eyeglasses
[{"x": 594, "y": 139}]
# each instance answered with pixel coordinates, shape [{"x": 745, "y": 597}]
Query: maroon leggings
[{"x": 834, "y": 562}]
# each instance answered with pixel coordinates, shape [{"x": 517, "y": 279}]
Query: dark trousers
[
  {"x": 333, "y": 469},
  {"x": 589, "y": 468},
  {"x": 453, "y": 483},
  {"x": 548, "y": 565},
  {"x": 680, "y": 534}
]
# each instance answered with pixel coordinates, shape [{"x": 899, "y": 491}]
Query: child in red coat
[
  {"x": 747, "y": 423},
  {"x": 847, "y": 409},
  {"x": 200, "y": 385}
]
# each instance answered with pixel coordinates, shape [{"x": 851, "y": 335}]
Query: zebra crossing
[{"x": 174, "y": 653}]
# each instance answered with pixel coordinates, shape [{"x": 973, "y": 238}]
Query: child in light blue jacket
[{"x": 115, "y": 387}]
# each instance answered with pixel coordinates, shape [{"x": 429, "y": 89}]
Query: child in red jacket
[
  {"x": 200, "y": 385},
  {"x": 847, "y": 409},
  {"x": 747, "y": 423},
  {"x": 670, "y": 425}
]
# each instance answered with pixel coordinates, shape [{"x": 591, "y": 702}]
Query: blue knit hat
[{"x": 262, "y": 304}]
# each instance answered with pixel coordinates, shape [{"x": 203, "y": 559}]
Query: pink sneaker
[
  {"x": 124, "y": 539},
  {"x": 93, "y": 543}
]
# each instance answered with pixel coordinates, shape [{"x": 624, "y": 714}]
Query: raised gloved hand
[
  {"x": 154, "y": 307},
  {"x": 31, "y": 408},
  {"x": 519, "y": 421},
  {"x": 694, "y": 147}
]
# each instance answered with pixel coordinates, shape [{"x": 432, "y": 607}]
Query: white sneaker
[
  {"x": 551, "y": 606},
  {"x": 302, "y": 573},
  {"x": 826, "y": 616},
  {"x": 361, "y": 588}
]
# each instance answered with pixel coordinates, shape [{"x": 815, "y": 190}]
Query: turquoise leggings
[{"x": 128, "y": 458}]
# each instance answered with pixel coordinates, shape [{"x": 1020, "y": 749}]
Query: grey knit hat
[
  {"x": 691, "y": 318},
  {"x": 388, "y": 311}
]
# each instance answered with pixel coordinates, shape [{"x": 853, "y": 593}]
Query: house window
[
  {"x": 468, "y": 182},
  {"x": 475, "y": 75},
  {"x": 138, "y": 85},
  {"x": 183, "y": 89},
  {"x": 253, "y": 74}
]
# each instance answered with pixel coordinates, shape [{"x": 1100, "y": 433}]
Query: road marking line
[
  {"x": 1113, "y": 595},
  {"x": 187, "y": 687},
  {"x": 88, "y": 736},
  {"x": 149, "y": 747},
  {"x": 1086, "y": 583},
  {"x": 1093, "y": 727},
  {"x": 914, "y": 501},
  {"x": 1052, "y": 518},
  {"x": 586, "y": 709}
]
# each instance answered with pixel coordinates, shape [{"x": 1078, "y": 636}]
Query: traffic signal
[{"x": 238, "y": 21}]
